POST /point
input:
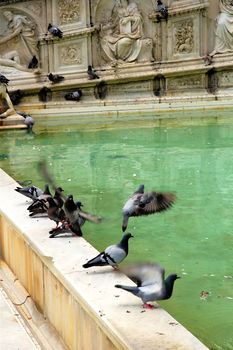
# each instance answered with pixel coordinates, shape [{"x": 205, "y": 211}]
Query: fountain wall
[{"x": 138, "y": 55}]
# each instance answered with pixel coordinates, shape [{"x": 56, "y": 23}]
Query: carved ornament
[
  {"x": 69, "y": 11},
  {"x": 184, "y": 37}
]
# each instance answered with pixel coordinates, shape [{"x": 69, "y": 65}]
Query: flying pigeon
[
  {"x": 162, "y": 9},
  {"x": 145, "y": 203},
  {"x": 76, "y": 216},
  {"x": 32, "y": 192},
  {"x": 112, "y": 255},
  {"x": 151, "y": 285},
  {"x": 74, "y": 96},
  {"x": 3, "y": 79},
  {"x": 55, "y": 78},
  {"x": 91, "y": 73},
  {"x": 55, "y": 31},
  {"x": 33, "y": 63}
]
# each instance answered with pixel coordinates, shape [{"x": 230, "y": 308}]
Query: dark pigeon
[
  {"x": 16, "y": 96},
  {"x": 55, "y": 31},
  {"x": 55, "y": 78},
  {"x": 112, "y": 255},
  {"x": 76, "y": 216},
  {"x": 45, "y": 94},
  {"x": 146, "y": 203},
  {"x": 32, "y": 192},
  {"x": 33, "y": 63},
  {"x": 162, "y": 10},
  {"x": 74, "y": 96},
  {"x": 40, "y": 205},
  {"x": 56, "y": 214},
  {"x": 3, "y": 79},
  {"x": 151, "y": 285},
  {"x": 91, "y": 73}
]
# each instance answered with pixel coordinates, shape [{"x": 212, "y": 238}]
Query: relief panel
[
  {"x": 186, "y": 83},
  {"x": 70, "y": 13}
]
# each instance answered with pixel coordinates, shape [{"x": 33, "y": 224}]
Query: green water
[{"x": 194, "y": 239}]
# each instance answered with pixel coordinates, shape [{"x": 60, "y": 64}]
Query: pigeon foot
[{"x": 148, "y": 306}]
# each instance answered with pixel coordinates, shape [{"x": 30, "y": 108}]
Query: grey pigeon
[
  {"x": 146, "y": 203},
  {"x": 32, "y": 192},
  {"x": 74, "y": 96},
  {"x": 162, "y": 10},
  {"x": 56, "y": 214},
  {"x": 55, "y": 31},
  {"x": 91, "y": 73},
  {"x": 40, "y": 205},
  {"x": 112, "y": 255},
  {"x": 151, "y": 285},
  {"x": 29, "y": 121}
]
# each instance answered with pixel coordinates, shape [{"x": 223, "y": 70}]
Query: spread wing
[
  {"x": 154, "y": 202},
  {"x": 145, "y": 274}
]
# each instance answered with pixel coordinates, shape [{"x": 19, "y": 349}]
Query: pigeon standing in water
[
  {"x": 3, "y": 79},
  {"x": 74, "y": 96},
  {"x": 91, "y": 73},
  {"x": 55, "y": 31},
  {"x": 146, "y": 203},
  {"x": 151, "y": 285},
  {"x": 162, "y": 9},
  {"x": 55, "y": 78},
  {"x": 29, "y": 121},
  {"x": 32, "y": 192},
  {"x": 33, "y": 63},
  {"x": 112, "y": 255}
]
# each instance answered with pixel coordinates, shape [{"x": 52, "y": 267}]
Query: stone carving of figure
[
  {"x": 122, "y": 38},
  {"x": 224, "y": 31},
  {"x": 19, "y": 44}
]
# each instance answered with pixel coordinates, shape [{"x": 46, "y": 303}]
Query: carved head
[
  {"x": 132, "y": 8},
  {"x": 8, "y": 15}
]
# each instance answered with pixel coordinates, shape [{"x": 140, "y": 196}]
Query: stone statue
[
  {"x": 224, "y": 31},
  {"x": 4, "y": 97},
  {"x": 19, "y": 44},
  {"x": 122, "y": 37}
]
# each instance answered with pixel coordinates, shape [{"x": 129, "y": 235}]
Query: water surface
[{"x": 194, "y": 239}]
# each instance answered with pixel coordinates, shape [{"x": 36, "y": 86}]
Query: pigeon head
[
  {"x": 79, "y": 204},
  {"x": 59, "y": 190},
  {"x": 49, "y": 26},
  {"x": 128, "y": 235}
]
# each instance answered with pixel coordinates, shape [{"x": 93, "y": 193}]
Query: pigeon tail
[{"x": 131, "y": 289}]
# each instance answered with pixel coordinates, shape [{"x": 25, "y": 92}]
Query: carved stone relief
[
  {"x": 69, "y": 11},
  {"x": 184, "y": 37},
  {"x": 71, "y": 55},
  {"x": 188, "y": 82},
  {"x": 18, "y": 39},
  {"x": 121, "y": 34}
]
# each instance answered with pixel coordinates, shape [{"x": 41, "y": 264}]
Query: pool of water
[{"x": 194, "y": 239}]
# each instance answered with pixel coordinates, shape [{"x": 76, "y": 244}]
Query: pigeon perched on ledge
[
  {"x": 112, "y": 255},
  {"x": 55, "y": 31},
  {"x": 3, "y": 79},
  {"x": 55, "y": 78},
  {"x": 151, "y": 285},
  {"x": 74, "y": 96},
  {"x": 32, "y": 192},
  {"x": 91, "y": 73},
  {"x": 146, "y": 203},
  {"x": 33, "y": 63},
  {"x": 162, "y": 11}
]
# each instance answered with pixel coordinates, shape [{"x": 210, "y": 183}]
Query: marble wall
[{"x": 125, "y": 40}]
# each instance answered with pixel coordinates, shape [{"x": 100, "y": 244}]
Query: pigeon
[
  {"x": 29, "y": 121},
  {"x": 3, "y": 79},
  {"x": 56, "y": 214},
  {"x": 32, "y": 192},
  {"x": 112, "y": 255},
  {"x": 76, "y": 217},
  {"x": 162, "y": 9},
  {"x": 16, "y": 96},
  {"x": 74, "y": 96},
  {"x": 45, "y": 94},
  {"x": 145, "y": 203},
  {"x": 151, "y": 285},
  {"x": 33, "y": 63},
  {"x": 55, "y": 78},
  {"x": 91, "y": 73},
  {"x": 39, "y": 206},
  {"x": 55, "y": 31}
]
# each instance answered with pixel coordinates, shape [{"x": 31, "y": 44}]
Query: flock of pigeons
[{"x": 69, "y": 217}]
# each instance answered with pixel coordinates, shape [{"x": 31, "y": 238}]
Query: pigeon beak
[{"x": 178, "y": 277}]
